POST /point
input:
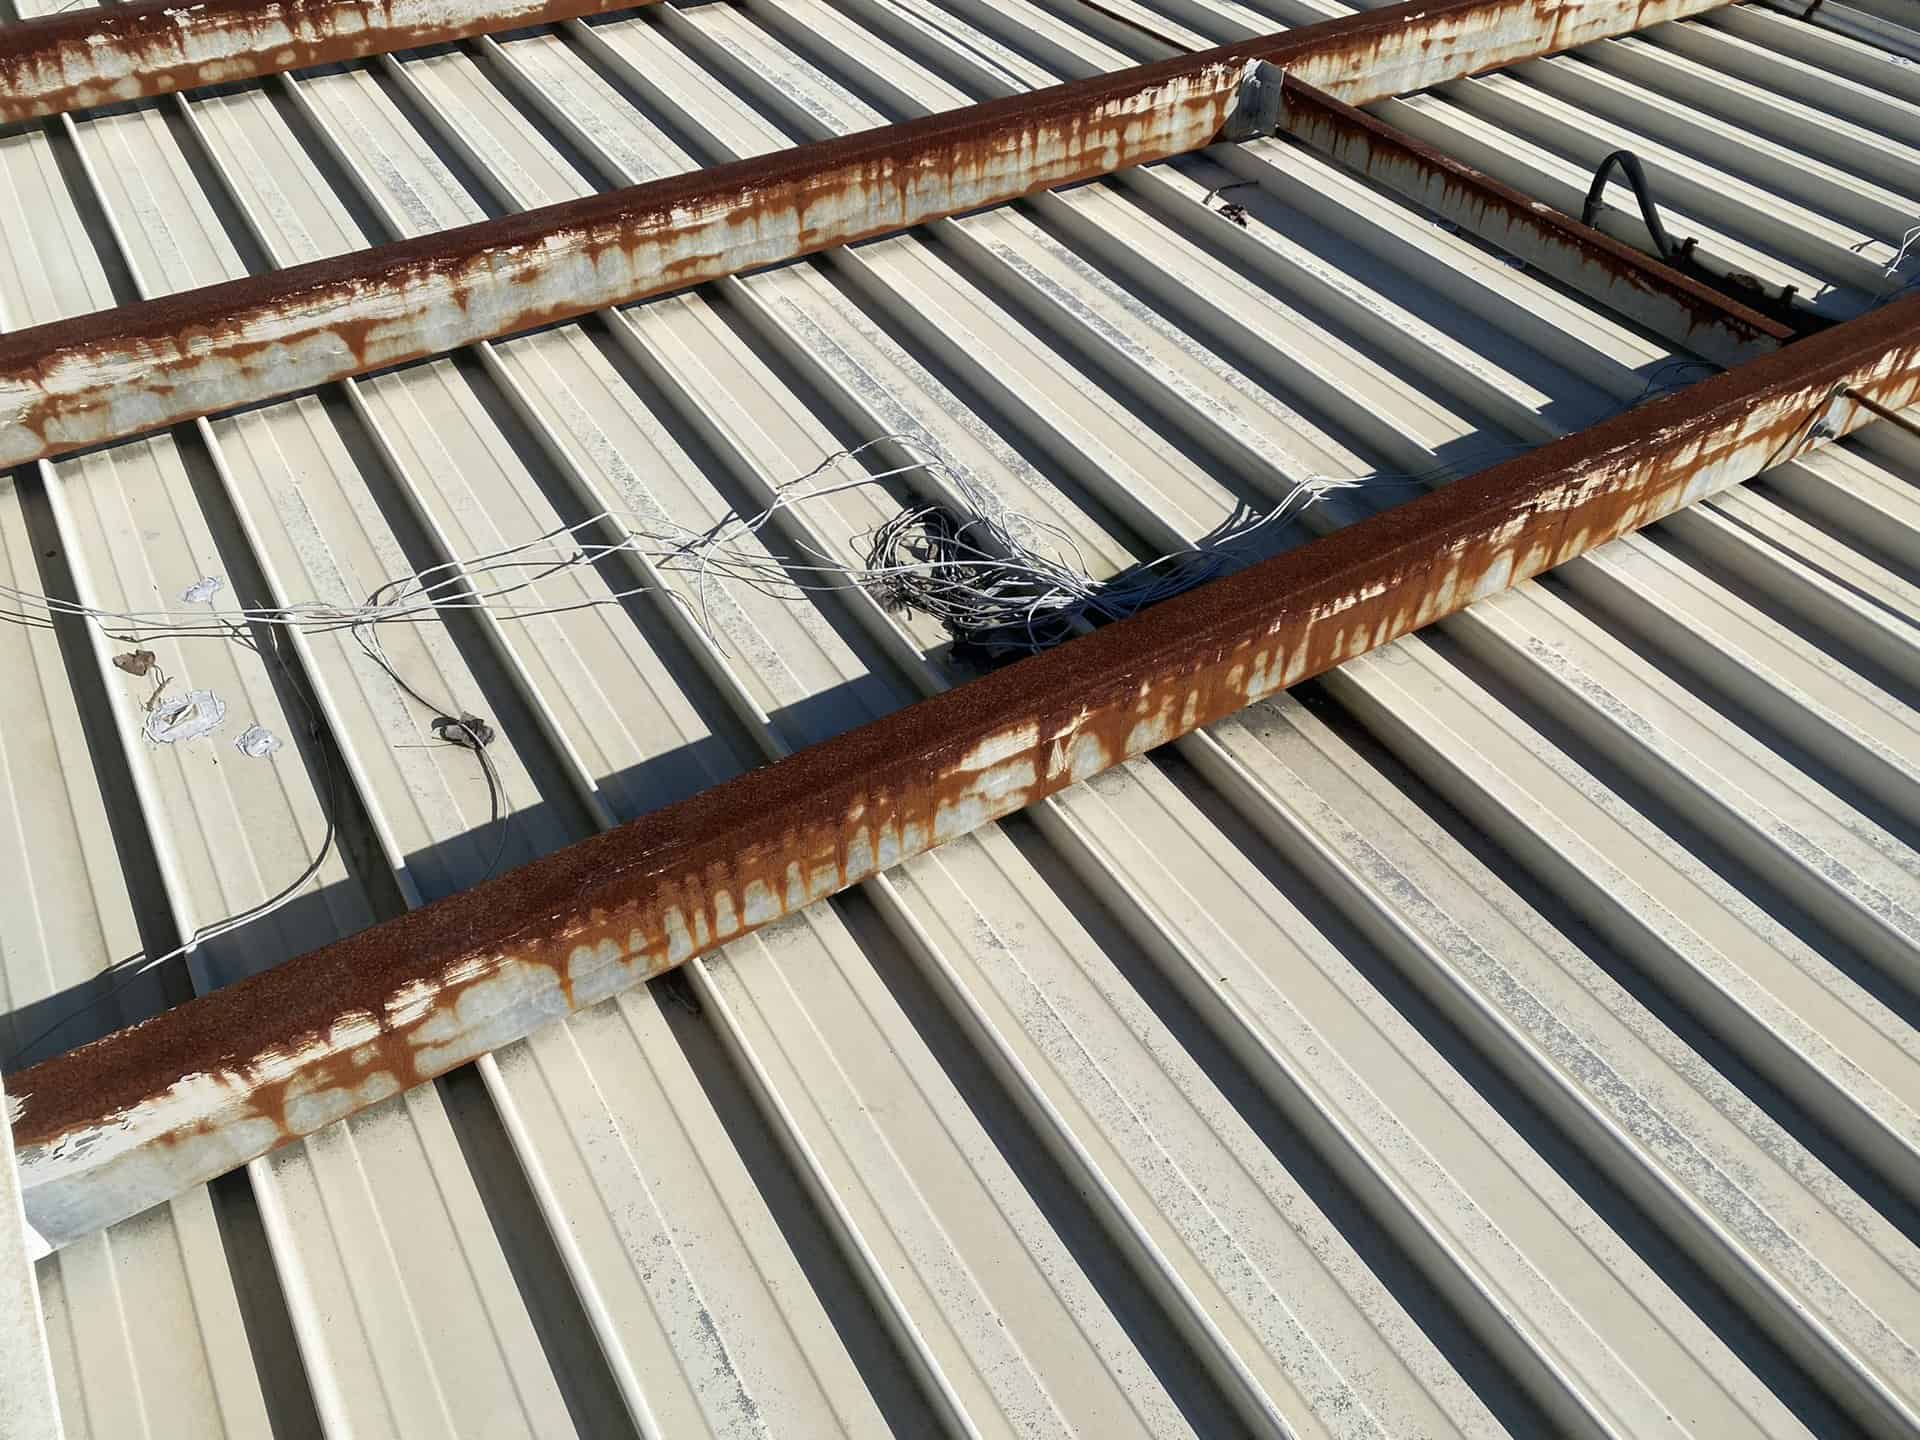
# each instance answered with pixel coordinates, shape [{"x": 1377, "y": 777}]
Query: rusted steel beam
[
  {"x": 1673, "y": 305},
  {"x": 132, "y": 1119},
  {"x": 123, "y": 52},
  {"x": 117, "y": 373}
]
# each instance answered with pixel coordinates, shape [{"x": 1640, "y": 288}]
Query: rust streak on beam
[
  {"x": 129, "y": 1120},
  {"x": 1671, "y": 304},
  {"x": 117, "y": 373},
  {"x": 124, "y": 52}
]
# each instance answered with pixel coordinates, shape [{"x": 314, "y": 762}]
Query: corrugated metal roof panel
[{"x": 1513, "y": 1030}]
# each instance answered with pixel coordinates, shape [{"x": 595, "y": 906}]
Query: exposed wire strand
[
  {"x": 989, "y": 574},
  {"x": 136, "y": 966},
  {"x": 1888, "y": 290}
]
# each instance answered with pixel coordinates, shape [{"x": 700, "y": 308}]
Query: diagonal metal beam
[
  {"x": 123, "y": 52},
  {"x": 132, "y": 1119},
  {"x": 117, "y": 373},
  {"x": 1673, "y": 305}
]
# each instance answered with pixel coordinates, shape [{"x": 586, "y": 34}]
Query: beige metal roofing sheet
[{"x": 1513, "y": 1031}]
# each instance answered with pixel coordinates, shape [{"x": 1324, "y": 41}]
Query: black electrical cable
[{"x": 1629, "y": 163}]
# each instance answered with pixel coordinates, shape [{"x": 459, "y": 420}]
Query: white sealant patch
[
  {"x": 187, "y": 718},
  {"x": 257, "y": 741}
]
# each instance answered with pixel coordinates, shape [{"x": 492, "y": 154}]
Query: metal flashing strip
[
  {"x": 126, "y": 1122},
  {"x": 117, "y": 373}
]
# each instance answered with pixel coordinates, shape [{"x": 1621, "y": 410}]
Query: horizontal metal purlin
[
  {"x": 1652, "y": 294},
  {"x": 118, "y": 373},
  {"x": 123, "y": 52},
  {"x": 132, "y": 1119}
]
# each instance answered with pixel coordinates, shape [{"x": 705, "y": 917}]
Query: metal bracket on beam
[{"x": 1258, "y": 104}]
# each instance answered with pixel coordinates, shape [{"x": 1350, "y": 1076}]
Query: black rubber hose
[{"x": 1649, "y": 212}]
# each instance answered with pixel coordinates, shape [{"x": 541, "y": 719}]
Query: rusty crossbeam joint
[
  {"x": 1673, "y": 305},
  {"x": 128, "y": 1121},
  {"x": 113, "y": 374},
  {"x": 124, "y": 52}
]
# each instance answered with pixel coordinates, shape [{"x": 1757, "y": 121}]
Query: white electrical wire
[
  {"x": 1888, "y": 290},
  {"x": 125, "y": 972},
  {"x": 989, "y": 574}
]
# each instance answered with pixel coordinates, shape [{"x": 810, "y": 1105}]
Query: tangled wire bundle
[{"x": 987, "y": 579}]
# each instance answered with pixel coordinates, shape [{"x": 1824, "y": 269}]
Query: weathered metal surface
[
  {"x": 1652, "y": 294},
  {"x": 123, "y": 52},
  {"x": 123, "y": 1123},
  {"x": 29, "y": 1408},
  {"x": 117, "y": 373}
]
